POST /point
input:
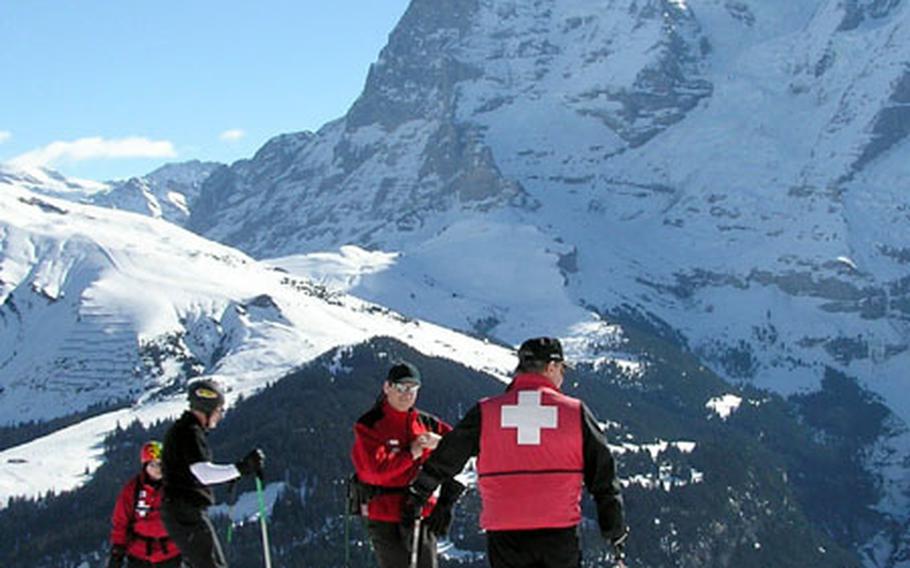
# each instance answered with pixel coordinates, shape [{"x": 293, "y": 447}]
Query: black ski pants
[
  {"x": 189, "y": 527},
  {"x": 541, "y": 548},
  {"x": 392, "y": 545}
]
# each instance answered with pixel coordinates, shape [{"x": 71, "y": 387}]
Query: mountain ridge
[{"x": 506, "y": 113}]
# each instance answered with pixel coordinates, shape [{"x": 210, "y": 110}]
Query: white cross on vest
[{"x": 529, "y": 416}]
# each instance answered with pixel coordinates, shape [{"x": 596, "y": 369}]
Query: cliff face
[{"x": 719, "y": 165}]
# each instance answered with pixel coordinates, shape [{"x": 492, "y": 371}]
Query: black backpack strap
[{"x": 360, "y": 493}]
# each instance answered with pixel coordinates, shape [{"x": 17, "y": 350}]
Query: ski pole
[
  {"x": 232, "y": 500},
  {"x": 262, "y": 523},
  {"x": 415, "y": 542},
  {"x": 619, "y": 555},
  {"x": 347, "y": 532}
]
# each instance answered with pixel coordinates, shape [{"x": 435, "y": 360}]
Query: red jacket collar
[
  {"x": 389, "y": 410},
  {"x": 531, "y": 381}
]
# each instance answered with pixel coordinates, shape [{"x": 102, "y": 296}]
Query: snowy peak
[
  {"x": 167, "y": 192},
  {"x": 47, "y": 181},
  {"x": 184, "y": 174},
  {"x": 637, "y": 68},
  {"x": 416, "y": 72}
]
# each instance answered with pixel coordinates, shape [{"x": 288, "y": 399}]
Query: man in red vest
[
  {"x": 391, "y": 440},
  {"x": 138, "y": 536},
  {"x": 535, "y": 448}
]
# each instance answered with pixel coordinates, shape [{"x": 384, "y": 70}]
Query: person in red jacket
[
  {"x": 535, "y": 449},
  {"x": 138, "y": 536},
  {"x": 391, "y": 441}
]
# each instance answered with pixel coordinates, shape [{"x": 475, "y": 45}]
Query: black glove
[
  {"x": 252, "y": 463},
  {"x": 440, "y": 520},
  {"x": 115, "y": 560},
  {"x": 410, "y": 510},
  {"x": 418, "y": 493},
  {"x": 610, "y": 516}
]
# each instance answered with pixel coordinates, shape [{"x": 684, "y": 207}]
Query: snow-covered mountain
[
  {"x": 165, "y": 193},
  {"x": 112, "y": 312},
  {"x": 49, "y": 182},
  {"x": 108, "y": 307},
  {"x": 728, "y": 175},
  {"x": 732, "y": 170}
]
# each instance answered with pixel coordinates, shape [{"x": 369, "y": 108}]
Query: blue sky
[{"x": 105, "y": 89}]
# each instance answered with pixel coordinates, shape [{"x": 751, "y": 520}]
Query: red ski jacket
[
  {"x": 382, "y": 455},
  {"x": 136, "y": 522},
  {"x": 531, "y": 463}
]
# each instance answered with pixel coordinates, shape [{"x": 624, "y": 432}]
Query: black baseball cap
[
  {"x": 403, "y": 372},
  {"x": 541, "y": 350}
]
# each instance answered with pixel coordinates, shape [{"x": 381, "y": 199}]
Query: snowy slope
[{"x": 100, "y": 304}]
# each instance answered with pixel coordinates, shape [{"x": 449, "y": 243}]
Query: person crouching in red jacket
[{"x": 138, "y": 536}]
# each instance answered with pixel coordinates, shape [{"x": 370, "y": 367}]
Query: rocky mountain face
[
  {"x": 731, "y": 172},
  {"x": 719, "y": 165},
  {"x": 166, "y": 193},
  {"x": 416, "y": 143}
]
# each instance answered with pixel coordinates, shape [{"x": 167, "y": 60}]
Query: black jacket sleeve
[
  {"x": 449, "y": 458},
  {"x": 600, "y": 477}
]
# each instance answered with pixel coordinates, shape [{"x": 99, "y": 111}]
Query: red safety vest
[{"x": 530, "y": 463}]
